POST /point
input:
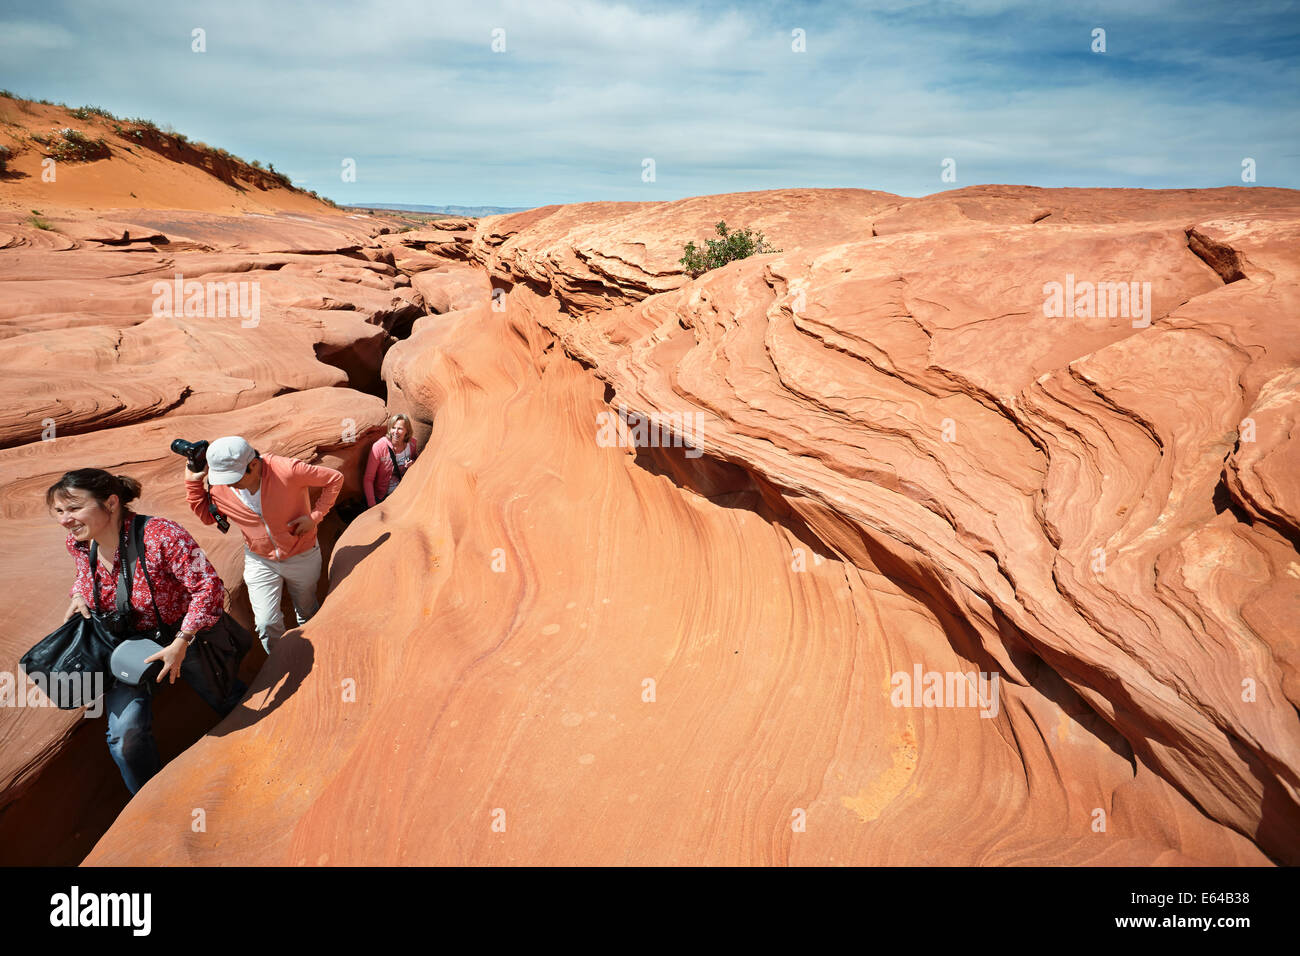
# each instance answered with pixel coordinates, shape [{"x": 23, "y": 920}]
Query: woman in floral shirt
[{"x": 92, "y": 505}]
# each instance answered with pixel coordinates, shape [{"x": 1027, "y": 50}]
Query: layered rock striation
[
  {"x": 1041, "y": 436},
  {"x": 960, "y": 530}
]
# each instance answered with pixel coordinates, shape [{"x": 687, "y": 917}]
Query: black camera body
[
  {"x": 195, "y": 451},
  {"x": 117, "y": 621}
]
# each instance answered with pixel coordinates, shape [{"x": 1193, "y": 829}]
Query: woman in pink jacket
[{"x": 389, "y": 459}]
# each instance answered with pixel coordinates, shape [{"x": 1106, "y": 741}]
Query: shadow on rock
[
  {"x": 283, "y": 673},
  {"x": 346, "y": 558}
]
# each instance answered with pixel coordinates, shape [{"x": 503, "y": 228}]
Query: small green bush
[
  {"x": 86, "y": 112},
  {"x": 73, "y": 146},
  {"x": 38, "y": 222},
  {"x": 740, "y": 244}
]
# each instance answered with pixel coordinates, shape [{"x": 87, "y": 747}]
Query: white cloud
[
  {"x": 23, "y": 35},
  {"x": 585, "y": 90}
]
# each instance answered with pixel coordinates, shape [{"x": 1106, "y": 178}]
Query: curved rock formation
[
  {"x": 99, "y": 374},
  {"x": 936, "y": 436}
]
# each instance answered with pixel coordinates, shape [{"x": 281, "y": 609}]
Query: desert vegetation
[
  {"x": 72, "y": 146},
  {"x": 740, "y": 244}
]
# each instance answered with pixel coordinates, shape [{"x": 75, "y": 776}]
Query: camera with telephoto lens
[{"x": 196, "y": 452}]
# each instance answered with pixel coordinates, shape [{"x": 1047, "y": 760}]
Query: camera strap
[
  {"x": 136, "y": 545},
  {"x": 223, "y": 523},
  {"x": 130, "y": 550},
  {"x": 122, "y": 599}
]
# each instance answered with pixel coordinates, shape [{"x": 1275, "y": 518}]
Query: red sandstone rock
[{"x": 906, "y": 463}]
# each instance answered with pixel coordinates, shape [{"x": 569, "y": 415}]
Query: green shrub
[
  {"x": 86, "y": 112},
  {"x": 38, "y": 222},
  {"x": 740, "y": 244},
  {"x": 73, "y": 146},
  {"x": 6, "y": 154}
]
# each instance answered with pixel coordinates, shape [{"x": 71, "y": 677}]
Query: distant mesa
[{"x": 473, "y": 212}]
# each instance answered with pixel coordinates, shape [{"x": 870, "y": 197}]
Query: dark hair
[{"x": 98, "y": 482}]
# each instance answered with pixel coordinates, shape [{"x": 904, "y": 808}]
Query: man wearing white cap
[{"x": 267, "y": 496}]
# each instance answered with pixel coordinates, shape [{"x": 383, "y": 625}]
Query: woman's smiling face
[
  {"x": 80, "y": 513},
  {"x": 397, "y": 434}
]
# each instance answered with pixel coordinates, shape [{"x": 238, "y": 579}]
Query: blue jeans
[
  {"x": 130, "y": 730},
  {"x": 130, "y": 734}
]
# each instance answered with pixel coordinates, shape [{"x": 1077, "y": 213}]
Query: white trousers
[{"x": 265, "y": 579}]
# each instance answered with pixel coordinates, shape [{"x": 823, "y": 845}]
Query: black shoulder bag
[
  {"x": 71, "y": 664},
  {"x": 212, "y": 660}
]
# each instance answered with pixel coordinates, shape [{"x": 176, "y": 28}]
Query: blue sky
[{"x": 713, "y": 93}]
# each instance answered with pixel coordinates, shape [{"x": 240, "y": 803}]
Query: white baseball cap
[{"x": 228, "y": 460}]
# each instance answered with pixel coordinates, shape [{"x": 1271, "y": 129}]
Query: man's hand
[
  {"x": 172, "y": 656},
  {"x": 301, "y": 524},
  {"x": 194, "y": 475},
  {"x": 78, "y": 605}
]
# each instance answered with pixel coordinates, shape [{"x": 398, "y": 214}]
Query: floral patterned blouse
[{"x": 185, "y": 583}]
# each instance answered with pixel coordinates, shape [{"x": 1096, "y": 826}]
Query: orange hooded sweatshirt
[{"x": 284, "y": 497}]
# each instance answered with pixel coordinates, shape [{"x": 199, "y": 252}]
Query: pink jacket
[
  {"x": 379, "y": 469},
  {"x": 284, "y": 497}
]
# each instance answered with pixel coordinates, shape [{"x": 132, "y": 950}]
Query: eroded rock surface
[
  {"x": 105, "y": 366},
  {"x": 547, "y": 650}
]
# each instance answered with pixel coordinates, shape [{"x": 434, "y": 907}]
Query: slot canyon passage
[{"x": 547, "y": 649}]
